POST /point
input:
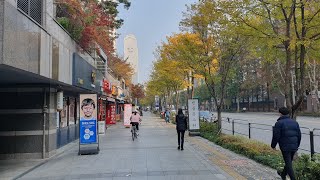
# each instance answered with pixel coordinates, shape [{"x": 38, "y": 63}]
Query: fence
[{"x": 263, "y": 132}]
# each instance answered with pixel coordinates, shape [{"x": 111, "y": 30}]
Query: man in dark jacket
[
  {"x": 287, "y": 133},
  {"x": 181, "y": 126}
]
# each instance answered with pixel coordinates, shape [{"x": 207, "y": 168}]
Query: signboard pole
[
  {"x": 88, "y": 125},
  {"x": 193, "y": 111}
]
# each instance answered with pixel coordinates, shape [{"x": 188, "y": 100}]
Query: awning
[{"x": 111, "y": 99}]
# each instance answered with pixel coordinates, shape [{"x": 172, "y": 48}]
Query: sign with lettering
[{"x": 193, "y": 109}]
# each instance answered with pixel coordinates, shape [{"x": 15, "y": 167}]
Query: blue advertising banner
[{"x": 88, "y": 131}]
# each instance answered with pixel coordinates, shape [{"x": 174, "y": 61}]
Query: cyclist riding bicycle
[{"x": 135, "y": 119}]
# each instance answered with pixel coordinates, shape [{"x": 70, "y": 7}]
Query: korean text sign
[{"x": 193, "y": 110}]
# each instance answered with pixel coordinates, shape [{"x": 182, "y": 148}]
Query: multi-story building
[
  {"x": 40, "y": 62},
  {"x": 131, "y": 56}
]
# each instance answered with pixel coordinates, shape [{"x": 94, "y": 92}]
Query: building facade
[
  {"x": 39, "y": 63},
  {"x": 131, "y": 54}
]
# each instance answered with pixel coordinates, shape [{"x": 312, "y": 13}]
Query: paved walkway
[{"x": 153, "y": 156}]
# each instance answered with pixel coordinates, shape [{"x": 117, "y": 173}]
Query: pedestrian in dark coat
[
  {"x": 181, "y": 126},
  {"x": 286, "y": 133}
]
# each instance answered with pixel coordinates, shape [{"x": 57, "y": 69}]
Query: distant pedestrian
[
  {"x": 181, "y": 126},
  {"x": 167, "y": 116},
  {"x": 287, "y": 133}
]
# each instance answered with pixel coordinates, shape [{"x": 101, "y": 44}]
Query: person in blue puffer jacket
[{"x": 286, "y": 133}]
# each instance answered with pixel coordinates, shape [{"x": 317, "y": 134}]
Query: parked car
[{"x": 207, "y": 116}]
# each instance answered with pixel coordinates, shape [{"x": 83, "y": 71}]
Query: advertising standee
[{"x": 88, "y": 126}]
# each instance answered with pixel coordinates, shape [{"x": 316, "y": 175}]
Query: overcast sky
[{"x": 150, "y": 21}]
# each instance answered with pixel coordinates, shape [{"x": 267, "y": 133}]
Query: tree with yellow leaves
[
  {"x": 289, "y": 30},
  {"x": 167, "y": 79},
  {"x": 121, "y": 68},
  {"x": 209, "y": 47}
]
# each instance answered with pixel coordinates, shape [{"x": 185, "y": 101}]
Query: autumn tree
[
  {"x": 111, "y": 8},
  {"x": 215, "y": 51},
  {"x": 137, "y": 91},
  {"x": 121, "y": 68},
  {"x": 167, "y": 79},
  {"x": 88, "y": 23},
  {"x": 289, "y": 28}
]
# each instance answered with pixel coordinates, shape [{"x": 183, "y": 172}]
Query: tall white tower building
[{"x": 131, "y": 55}]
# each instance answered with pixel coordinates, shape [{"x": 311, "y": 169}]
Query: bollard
[
  {"x": 311, "y": 144},
  {"x": 232, "y": 127},
  {"x": 249, "y": 130}
]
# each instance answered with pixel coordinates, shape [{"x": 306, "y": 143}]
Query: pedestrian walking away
[
  {"x": 286, "y": 133},
  {"x": 181, "y": 126}
]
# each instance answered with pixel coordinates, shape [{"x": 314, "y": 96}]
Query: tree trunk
[
  {"x": 248, "y": 98},
  {"x": 219, "y": 116},
  {"x": 192, "y": 88},
  {"x": 238, "y": 104},
  {"x": 177, "y": 101},
  {"x": 268, "y": 96}
]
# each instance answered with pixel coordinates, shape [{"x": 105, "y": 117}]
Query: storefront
[{"x": 86, "y": 79}]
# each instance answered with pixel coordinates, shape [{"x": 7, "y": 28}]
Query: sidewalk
[
  {"x": 153, "y": 156},
  {"x": 15, "y": 168}
]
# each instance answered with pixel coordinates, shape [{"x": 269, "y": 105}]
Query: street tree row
[{"x": 236, "y": 44}]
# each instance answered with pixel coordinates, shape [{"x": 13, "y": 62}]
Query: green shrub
[
  {"x": 208, "y": 127},
  {"x": 74, "y": 29},
  {"x": 253, "y": 149},
  {"x": 305, "y": 169},
  {"x": 64, "y": 22}
]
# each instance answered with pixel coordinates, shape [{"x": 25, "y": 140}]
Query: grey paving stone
[{"x": 153, "y": 156}]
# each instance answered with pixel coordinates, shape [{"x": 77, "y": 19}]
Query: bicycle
[{"x": 134, "y": 132}]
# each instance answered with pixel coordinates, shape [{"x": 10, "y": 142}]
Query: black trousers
[
  {"x": 135, "y": 124},
  {"x": 288, "y": 157},
  {"x": 180, "y": 138}
]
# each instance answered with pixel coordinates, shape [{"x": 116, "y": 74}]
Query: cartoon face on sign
[{"x": 88, "y": 107}]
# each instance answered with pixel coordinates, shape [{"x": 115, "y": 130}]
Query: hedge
[{"x": 305, "y": 168}]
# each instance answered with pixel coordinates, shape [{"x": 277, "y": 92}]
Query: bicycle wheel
[{"x": 133, "y": 132}]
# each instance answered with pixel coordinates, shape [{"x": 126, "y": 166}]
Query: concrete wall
[
  {"x": 28, "y": 46},
  {"x": 1, "y": 29},
  {"x": 66, "y": 44},
  {"x": 21, "y": 43},
  {"x": 21, "y": 130}
]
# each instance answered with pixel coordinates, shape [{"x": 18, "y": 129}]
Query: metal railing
[{"x": 246, "y": 128}]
